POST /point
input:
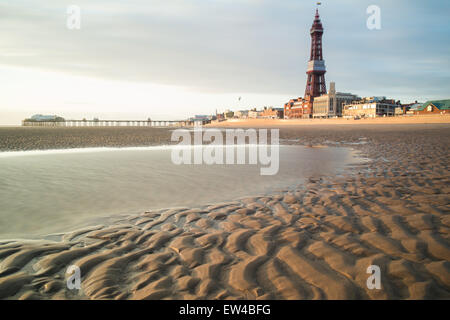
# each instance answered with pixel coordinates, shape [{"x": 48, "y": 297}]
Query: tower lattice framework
[{"x": 315, "y": 84}]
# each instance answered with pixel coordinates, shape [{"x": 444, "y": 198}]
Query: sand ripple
[{"x": 312, "y": 243}]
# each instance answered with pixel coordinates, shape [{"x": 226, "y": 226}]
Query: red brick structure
[
  {"x": 296, "y": 108},
  {"x": 434, "y": 107}
]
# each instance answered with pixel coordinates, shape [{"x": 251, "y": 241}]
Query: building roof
[
  {"x": 43, "y": 117},
  {"x": 440, "y": 104},
  {"x": 415, "y": 106}
]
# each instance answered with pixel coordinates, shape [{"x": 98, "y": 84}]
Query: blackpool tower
[{"x": 315, "y": 83}]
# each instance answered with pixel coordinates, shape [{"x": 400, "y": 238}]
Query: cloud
[{"x": 233, "y": 46}]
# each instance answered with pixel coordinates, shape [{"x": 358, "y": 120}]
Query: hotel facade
[{"x": 370, "y": 107}]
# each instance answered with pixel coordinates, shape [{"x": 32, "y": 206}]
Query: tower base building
[{"x": 330, "y": 105}]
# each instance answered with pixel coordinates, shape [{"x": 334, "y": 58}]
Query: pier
[{"x": 113, "y": 123}]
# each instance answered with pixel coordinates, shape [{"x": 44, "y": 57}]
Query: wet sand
[
  {"x": 42, "y": 138},
  {"x": 312, "y": 243}
]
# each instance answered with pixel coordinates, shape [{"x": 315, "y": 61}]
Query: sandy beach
[
  {"x": 41, "y": 138},
  {"x": 315, "y": 242}
]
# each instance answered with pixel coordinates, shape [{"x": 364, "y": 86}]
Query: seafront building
[
  {"x": 266, "y": 113},
  {"x": 295, "y": 108},
  {"x": 370, "y": 107},
  {"x": 241, "y": 114},
  {"x": 331, "y": 104},
  {"x": 253, "y": 114},
  {"x": 433, "y": 107},
  {"x": 407, "y": 107},
  {"x": 272, "y": 113},
  {"x": 399, "y": 110},
  {"x": 228, "y": 114}
]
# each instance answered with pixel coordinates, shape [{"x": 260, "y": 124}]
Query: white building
[
  {"x": 370, "y": 107},
  {"x": 331, "y": 104}
]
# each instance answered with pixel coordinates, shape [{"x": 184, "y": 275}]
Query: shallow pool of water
[{"x": 43, "y": 192}]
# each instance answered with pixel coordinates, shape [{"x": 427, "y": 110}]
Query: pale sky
[{"x": 171, "y": 59}]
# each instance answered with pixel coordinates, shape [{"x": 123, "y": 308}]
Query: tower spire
[{"x": 315, "y": 84}]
